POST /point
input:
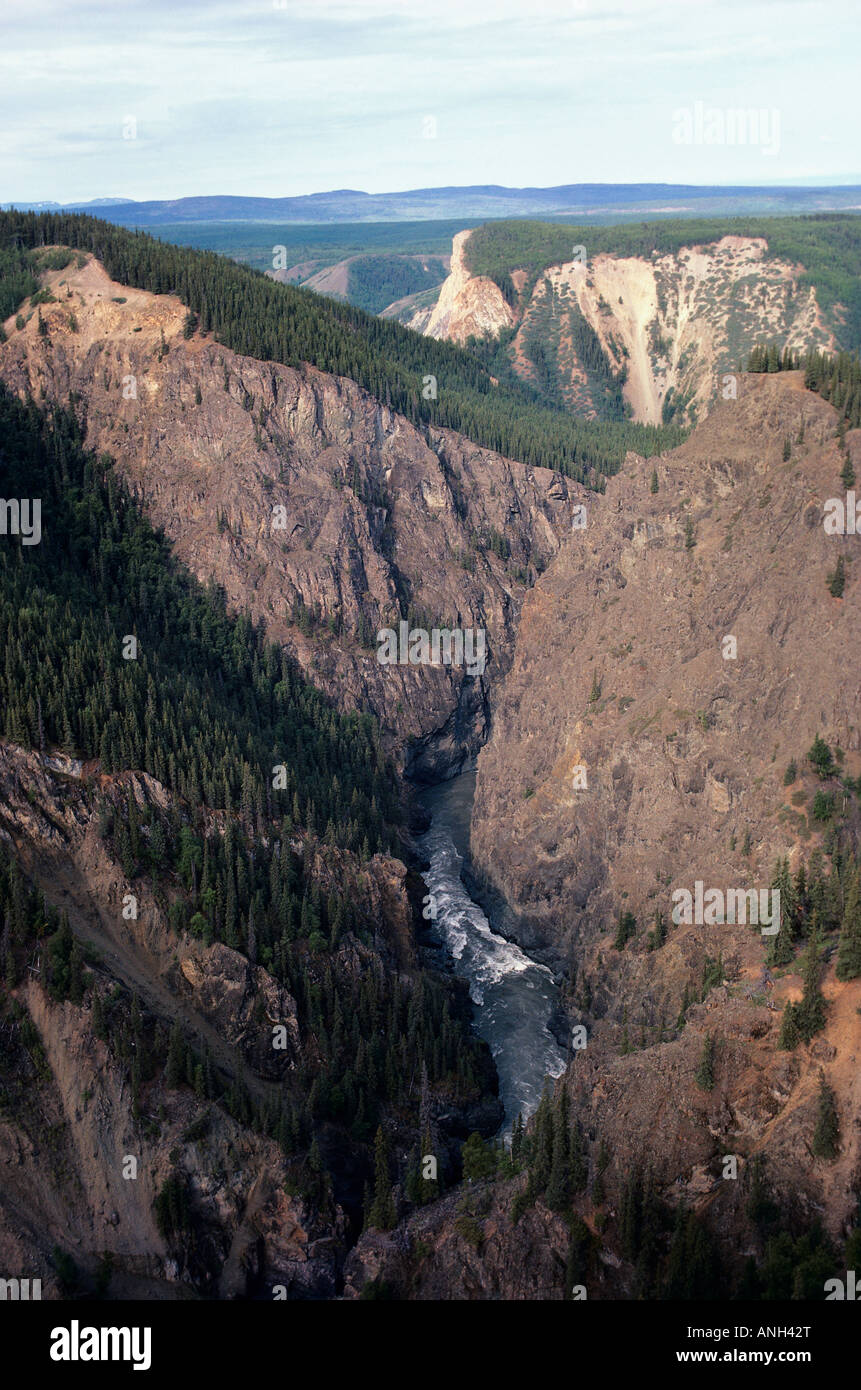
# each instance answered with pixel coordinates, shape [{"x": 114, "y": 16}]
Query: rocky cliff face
[
  {"x": 66, "y": 1138},
  {"x": 468, "y": 1249},
  {"x": 66, "y": 1116},
  {"x": 315, "y": 507},
  {"x": 637, "y": 749},
  {"x": 673, "y": 324},
  {"x": 468, "y": 305},
  {"x": 632, "y": 751}
]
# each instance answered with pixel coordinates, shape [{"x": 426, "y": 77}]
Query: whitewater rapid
[{"x": 514, "y": 996}]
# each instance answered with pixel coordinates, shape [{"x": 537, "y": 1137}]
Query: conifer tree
[
  {"x": 382, "y": 1215},
  {"x": 847, "y": 472},
  {"x": 849, "y": 945},
  {"x": 175, "y": 1065},
  {"x": 560, "y": 1177},
  {"x": 705, "y": 1074},
  {"x": 789, "y": 1036},
  {"x": 826, "y": 1133},
  {"x": 517, "y": 1134},
  {"x": 837, "y": 578},
  {"x": 811, "y": 1010}
]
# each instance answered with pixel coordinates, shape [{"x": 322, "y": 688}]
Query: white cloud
[{"x": 238, "y": 96}]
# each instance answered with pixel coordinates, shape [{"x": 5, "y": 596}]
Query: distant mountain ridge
[
  {"x": 48, "y": 205},
  {"x": 476, "y": 201}
]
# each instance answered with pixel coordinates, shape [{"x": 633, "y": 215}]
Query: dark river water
[{"x": 514, "y": 996}]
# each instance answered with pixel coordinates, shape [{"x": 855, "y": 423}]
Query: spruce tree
[
  {"x": 810, "y": 1013},
  {"x": 849, "y": 945},
  {"x": 383, "y": 1209},
  {"x": 821, "y": 758},
  {"x": 847, "y": 472},
  {"x": 626, "y": 929},
  {"x": 479, "y": 1158},
  {"x": 705, "y": 1073},
  {"x": 826, "y": 1133},
  {"x": 577, "y": 1165},
  {"x": 557, "y": 1187},
  {"x": 517, "y": 1133},
  {"x": 789, "y": 1036},
  {"x": 837, "y": 578},
  {"x": 175, "y": 1065}
]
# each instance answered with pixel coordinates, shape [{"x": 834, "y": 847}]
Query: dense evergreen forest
[
  {"x": 324, "y": 243},
  {"x": 377, "y": 281},
  {"x": 257, "y": 317},
  {"x": 17, "y": 279},
  {"x": 834, "y": 376},
  {"x": 212, "y": 710},
  {"x": 827, "y": 245}
]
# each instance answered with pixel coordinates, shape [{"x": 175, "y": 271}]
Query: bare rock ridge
[
  {"x": 311, "y": 504},
  {"x": 620, "y": 669},
  {"x": 468, "y": 304},
  {"x": 674, "y": 324}
]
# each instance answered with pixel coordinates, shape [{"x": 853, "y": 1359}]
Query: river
[{"x": 514, "y": 996}]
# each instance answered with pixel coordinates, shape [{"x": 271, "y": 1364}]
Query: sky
[{"x": 171, "y": 98}]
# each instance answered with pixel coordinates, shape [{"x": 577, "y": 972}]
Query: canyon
[{"x": 607, "y": 654}]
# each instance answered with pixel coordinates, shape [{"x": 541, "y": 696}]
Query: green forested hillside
[
  {"x": 326, "y": 243},
  {"x": 254, "y": 316},
  {"x": 377, "y": 281},
  {"x": 17, "y": 279}
]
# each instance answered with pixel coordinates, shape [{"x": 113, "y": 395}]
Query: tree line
[{"x": 836, "y": 377}]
